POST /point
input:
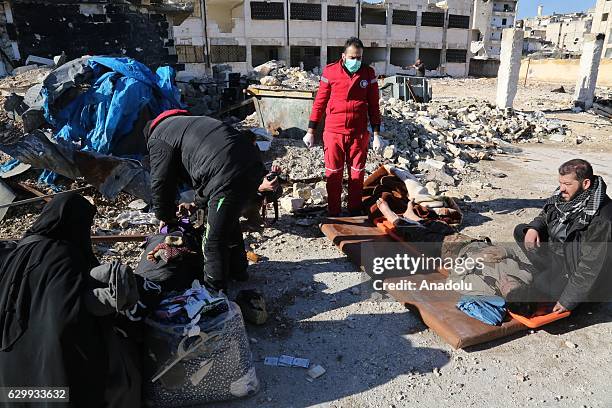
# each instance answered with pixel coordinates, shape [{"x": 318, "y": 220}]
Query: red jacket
[{"x": 349, "y": 100}]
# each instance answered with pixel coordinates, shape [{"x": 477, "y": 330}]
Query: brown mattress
[{"x": 437, "y": 308}]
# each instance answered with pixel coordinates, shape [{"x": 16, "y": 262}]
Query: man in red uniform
[{"x": 348, "y": 93}]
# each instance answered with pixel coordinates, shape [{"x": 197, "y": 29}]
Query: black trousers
[{"x": 223, "y": 243}]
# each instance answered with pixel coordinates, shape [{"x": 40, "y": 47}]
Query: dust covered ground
[{"x": 380, "y": 353}]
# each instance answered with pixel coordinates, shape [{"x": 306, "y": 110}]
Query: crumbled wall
[{"x": 111, "y": 27}]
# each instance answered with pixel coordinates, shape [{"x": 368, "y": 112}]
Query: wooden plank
[{"x": 34, "y": 191}]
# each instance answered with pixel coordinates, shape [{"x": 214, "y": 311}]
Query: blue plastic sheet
[
  {"x": 488, "y": 309},
  {"x": 98, "y": 118}
]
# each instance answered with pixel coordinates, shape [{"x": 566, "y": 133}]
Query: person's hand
[
  {"x": 532, "y": 239},
  {"x": 309, "y": 138},
  {"x": 276, "y": 169},
  {"x": 267, "y": 185},
  {"x": 162, "y": 224},
  {"x": 185, "y": 209},
  {"x": 559, "y": 308},
  {"x": 378, "y": 144}
]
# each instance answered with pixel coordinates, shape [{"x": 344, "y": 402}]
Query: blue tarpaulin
[{"x": 100, "y": 117}]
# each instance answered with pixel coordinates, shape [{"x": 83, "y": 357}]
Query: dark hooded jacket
[
  {"x": 204, "y": 152},
  {"x": 47, "y": 336},
  {"x": 583, "y": 272}
]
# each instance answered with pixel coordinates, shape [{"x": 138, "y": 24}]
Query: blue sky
[{"x": 529, "y": 8}]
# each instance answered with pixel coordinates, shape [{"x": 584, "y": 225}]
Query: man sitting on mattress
[{"x": 569, "y": 243}]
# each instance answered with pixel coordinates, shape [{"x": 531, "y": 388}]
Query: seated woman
[{"x": 48, "y": 337}]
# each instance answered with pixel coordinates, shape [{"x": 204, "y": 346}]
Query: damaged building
[
  {"x": 311, "y": 33},
  {"x": 490, "y": 19},
  {"x": 141, "y": 29}
]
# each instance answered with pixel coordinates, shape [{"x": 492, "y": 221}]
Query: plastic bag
[{"x": 213, "y": 364}]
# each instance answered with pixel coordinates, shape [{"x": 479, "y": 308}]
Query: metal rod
[
  {"x": 42, "y": 198},
  {"x": 105, "y": 238}
]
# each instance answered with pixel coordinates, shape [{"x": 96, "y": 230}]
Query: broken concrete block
[
  {"x": 318, "y": 196},
  {"x": 433, "y": 188},
  {"x": 458, "y": 163},
  {"x": 403, "y": 161},
  {"x": 441, "y": 123},
  {"x": 436, "y": 164},
  {"x": 139, "y": 204},
  {"x": 389, "y": 152},
  {"x": 301, "y": 191},
  {"x": 291, "y": 204},
  {"x": 270, "y": 81}
]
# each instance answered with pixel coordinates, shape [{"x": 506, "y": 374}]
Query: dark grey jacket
[{"x": 583, "y": 272}]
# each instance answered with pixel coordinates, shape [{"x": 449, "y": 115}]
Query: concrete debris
[
  {"x": 291, "y": 204},
  {"x": 139, "y": 204},
  {"x": 276, "y": 74},
  {"x": 270, "y": 81}
]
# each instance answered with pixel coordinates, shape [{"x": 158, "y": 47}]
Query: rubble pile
[
  {"x": 457, "y": 131},
  {"x": 275, "y": 74}
]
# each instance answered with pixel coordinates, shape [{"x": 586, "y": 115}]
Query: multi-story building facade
[
  {"x": 601, "y": 24},
  {"x": 563, "y": 32},
  {"x": 490, "y": 19},
  {"x": 311, "y": 33}
]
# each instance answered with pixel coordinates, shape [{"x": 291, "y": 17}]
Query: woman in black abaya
[{"x": 47, "y": 337}]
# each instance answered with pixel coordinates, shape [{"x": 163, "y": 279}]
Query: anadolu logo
[{"x": 363, "y": 83}]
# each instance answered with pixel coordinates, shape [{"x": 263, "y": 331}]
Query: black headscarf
[
  {"x": 68, "y": 217},
  {"x": 41, "y": 308}
]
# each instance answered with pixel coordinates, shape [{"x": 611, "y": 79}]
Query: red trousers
[{"x": 352, "y": 150}]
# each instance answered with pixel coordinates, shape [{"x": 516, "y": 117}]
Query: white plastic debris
[{"x": 316, "y": 371}]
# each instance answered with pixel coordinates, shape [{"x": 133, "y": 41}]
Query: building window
[
  {"x": 604, "y": 17},
  {"x": 263, "y": 10},
  {"x": 432, "y": 19},
  {"x": 456, "y": 55},
  {"x": 228, "y": 53},
  {"x": 404, "y": 17},
  {"x": 373, "y": 16},
  {"x": 189, "y": 53},
  {"x": 341, "y": 13},
  {"x": 457, "y": 21},
  {"x": 305, "y": 11},
  {"x": 504, "y": 21}
]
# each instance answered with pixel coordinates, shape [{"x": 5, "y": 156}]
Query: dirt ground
[{"x": 381, "y": 354}]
